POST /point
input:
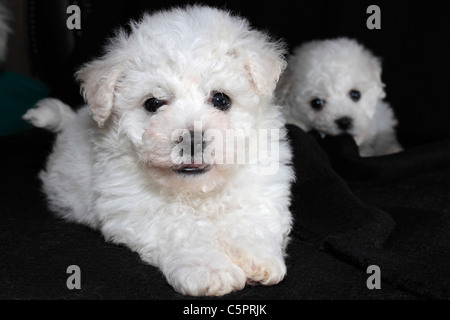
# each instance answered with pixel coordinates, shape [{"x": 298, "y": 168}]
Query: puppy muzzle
[{"x": 191, "y": 148}]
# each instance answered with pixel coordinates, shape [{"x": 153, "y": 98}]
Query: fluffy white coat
[{"x": 111, "y": 167}]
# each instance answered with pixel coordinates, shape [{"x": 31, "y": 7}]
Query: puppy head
[
  {"x": 176, "y": 83},
  {"x": 333, "y": 86}
]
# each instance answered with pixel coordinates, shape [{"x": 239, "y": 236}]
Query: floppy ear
[
  {"x": 98, "y": 81},
  {"x": 265, "y": 67}
]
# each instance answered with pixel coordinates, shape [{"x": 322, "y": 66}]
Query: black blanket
[{"x": 350, "y": 213}]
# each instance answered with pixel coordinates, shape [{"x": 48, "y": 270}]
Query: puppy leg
[
  {"x": 390, "y": 142},
  {"x": 384, "y": 143},
  {"x": 50, "y": 114},
  {"x": 261, "y": 264},
  {"x": 185, "y": 249},
  {"x": 257, "y": 246},
  {"x": 394, "y": 147},
  {"x": 203, "y": 271},
  {"x": 381, "y": 138}
]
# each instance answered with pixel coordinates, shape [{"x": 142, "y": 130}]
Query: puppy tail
[{"x": 50, "y": 114}]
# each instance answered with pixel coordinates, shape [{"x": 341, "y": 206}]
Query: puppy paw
[
  {"x": 50, "y": 114},
  {"x": 213, "y": 279},
  {"x": 266, "y": 271}
]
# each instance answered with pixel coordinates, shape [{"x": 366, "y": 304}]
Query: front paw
[
  {"x": 263, "y": 270},
  {"x": 211, "y": 279}
]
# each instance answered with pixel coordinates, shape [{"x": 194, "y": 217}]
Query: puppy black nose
[
  {"x": 192, "y": 144},
  {"x": 197, "y": 143},
  {"x": 344, "y": 123}
]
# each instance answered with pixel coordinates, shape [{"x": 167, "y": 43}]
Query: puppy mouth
[{"x": 192, "y": 169}]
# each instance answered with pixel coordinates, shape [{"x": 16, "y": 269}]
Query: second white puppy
[{"x": 335, "y": 87}]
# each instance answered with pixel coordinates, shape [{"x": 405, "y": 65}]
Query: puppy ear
[
  {"x": 98, "y": 81},
  {"x": 265, "y": 67}
]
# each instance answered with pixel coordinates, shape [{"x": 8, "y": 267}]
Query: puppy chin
[
  {"x": 359, "y": 133},
  {"x": 359, "y": 138}
]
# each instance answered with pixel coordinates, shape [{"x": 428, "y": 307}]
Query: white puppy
[
  {"x": 185, "y": 77},
  {"x": 334, "y": 87}
]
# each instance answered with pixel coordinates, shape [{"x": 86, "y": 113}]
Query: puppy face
[
  {"x": 176, "y": 84},
  {"x": 334, "y": 87}
]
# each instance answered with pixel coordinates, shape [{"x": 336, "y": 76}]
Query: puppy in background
[{"x": 335, "y": 87}]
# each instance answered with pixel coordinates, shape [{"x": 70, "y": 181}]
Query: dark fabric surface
[
  {"x": 341, "y": 227},
  {"x": 393, "y": 211}
]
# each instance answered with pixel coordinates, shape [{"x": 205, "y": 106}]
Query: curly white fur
[
  {"x": 329, "y": 70},
  {"x": 209, "y": 233}
]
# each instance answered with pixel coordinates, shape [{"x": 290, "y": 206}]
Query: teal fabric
[{"x": 18, "y": 93}]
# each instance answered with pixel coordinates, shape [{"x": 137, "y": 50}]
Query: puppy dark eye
[
  {"x": 317, "y": 104},
  {"x": 153, "y": 104},
  {"x": 355, "y": 95},
  {"x": 221, "y": 101}
]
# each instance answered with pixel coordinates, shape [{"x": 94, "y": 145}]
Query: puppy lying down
[
  {"x": 152, "y": 160},
  {"x": 334, "y": 87}
]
